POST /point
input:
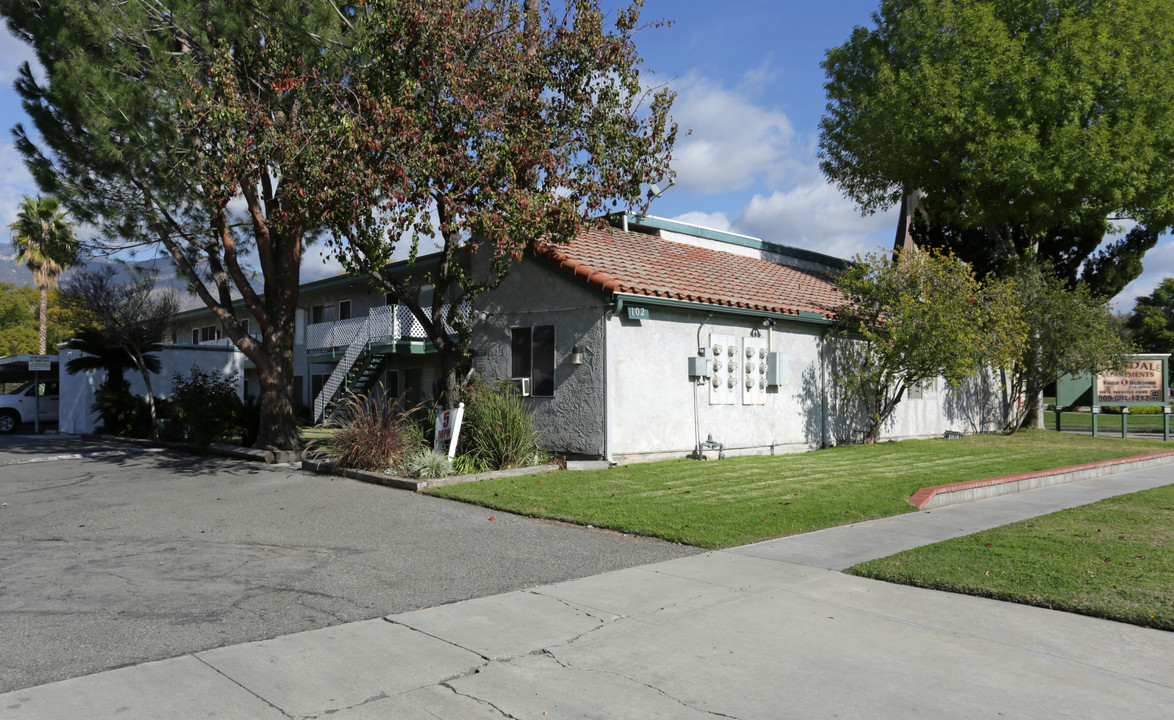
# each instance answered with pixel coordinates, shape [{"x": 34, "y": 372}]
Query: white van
[{"x": 22, "y": 405}]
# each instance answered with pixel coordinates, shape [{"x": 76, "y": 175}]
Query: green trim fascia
[
  {"x": 623, "y": 300},
  {"x": 736, "y": 239}
]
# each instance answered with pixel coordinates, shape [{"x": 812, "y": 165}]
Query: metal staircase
[{"x": 360, "y": 346}]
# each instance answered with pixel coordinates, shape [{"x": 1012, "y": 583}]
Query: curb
[
  {"x": 325, "y": 467},
  {"x": 935, "y": 496}
]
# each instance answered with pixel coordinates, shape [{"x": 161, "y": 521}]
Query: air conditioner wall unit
[{"x": 523, "y": 385}]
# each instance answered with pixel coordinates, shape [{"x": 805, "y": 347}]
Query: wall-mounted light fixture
[{"x": 576, "y": 355}]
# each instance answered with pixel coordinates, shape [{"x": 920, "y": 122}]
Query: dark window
[
  {"x": 344, "y": 310},
  {"x": 245, "y": 325},
  {"x": 321, "y": 314},
  {"x": 317, "y": 381},
  {"x": 196, "y": 336},
  {"x": 520, "y": 352},
  {"x": 532, "y": 356},
  {"x": 211, "y": 332}
]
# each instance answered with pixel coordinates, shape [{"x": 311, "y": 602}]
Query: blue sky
[{"x": 750, "y": 90}]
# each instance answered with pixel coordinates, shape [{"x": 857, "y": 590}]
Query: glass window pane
[
  {"x": 543, "y": 361},
  {"x": 520, "y": 352}
]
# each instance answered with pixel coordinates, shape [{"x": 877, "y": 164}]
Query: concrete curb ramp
[{"x": 935, "y": 496}]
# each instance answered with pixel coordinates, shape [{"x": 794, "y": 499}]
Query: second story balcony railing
[{"x": 390, "y": 323}]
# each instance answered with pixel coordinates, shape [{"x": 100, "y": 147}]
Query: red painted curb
[{"x": 922, "y": 497}]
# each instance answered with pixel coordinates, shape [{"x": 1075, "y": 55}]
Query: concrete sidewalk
[{"x": 762, "y": 631}]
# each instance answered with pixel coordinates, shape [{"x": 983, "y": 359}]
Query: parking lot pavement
[{"x": 111, "y": 560}]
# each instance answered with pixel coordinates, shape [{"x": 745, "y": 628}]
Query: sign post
[
  {"x": 448, "y": 430},
  {"x": 37, "y": 365}
]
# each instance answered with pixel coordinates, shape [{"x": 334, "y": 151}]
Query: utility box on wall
[
  {"x": 699, "y": 367},
  {"x": 778, "y": 369}
]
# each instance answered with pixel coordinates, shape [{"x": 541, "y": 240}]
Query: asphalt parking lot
[{"x": 122, "y": 556}]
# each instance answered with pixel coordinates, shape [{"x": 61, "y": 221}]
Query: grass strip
[
  {"x": 1112, "y": 559},
  {"x": 735, "y": 501}
]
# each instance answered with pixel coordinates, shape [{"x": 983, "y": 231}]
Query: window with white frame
[{"x": 532, "y": 356}]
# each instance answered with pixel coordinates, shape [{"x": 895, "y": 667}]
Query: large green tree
[
  {"x": 45, "y": 243},
  {"x": 1152, "y": 319},
  {"x": 489, "y": 127},
  {"x": 1032, "y": 126},
  {"x": 230, "y": 197}
]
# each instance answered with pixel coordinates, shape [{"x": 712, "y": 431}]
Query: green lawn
[
  {"x": 1112, "y": 559},
  {"x": 721, "y": 503}
]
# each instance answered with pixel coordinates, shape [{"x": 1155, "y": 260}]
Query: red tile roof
[{"x": 629, "y": 262}]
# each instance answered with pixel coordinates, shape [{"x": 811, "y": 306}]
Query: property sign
[
  {"x": 1143, "y": 381},
  {"x": 448, "y": 429},
  {"x": 638, "y": 313},
  {"x": 40, "y": 363}
]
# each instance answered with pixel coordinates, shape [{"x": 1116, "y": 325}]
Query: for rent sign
[{"x": 1143, "y": 381}]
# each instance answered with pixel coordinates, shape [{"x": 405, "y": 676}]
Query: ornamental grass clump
[
  {"x": 428, "y": 465},
  {"x": 500, "y": 430},
  {"x": 369, "y": 432}
]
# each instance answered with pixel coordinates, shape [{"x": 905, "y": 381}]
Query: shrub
[
  {"x": 1139, "y": 410},
  {"x": 467, "y": 464},
  {"x": 428, "y": 464},
  {"x": 500, "y": 429},
  {"x": 121, "y": 413},
  {"x": 206, "y": 407},
  {"x": 370, "y": 432}
]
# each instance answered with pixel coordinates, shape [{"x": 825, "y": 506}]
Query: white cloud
[
  {"x": 713, "y": 221},
  {"x": 733, "y": 143},
  {"x": 817, "y": 217}
]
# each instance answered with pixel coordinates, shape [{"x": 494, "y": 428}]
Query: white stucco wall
[
  {"x": 77, "y": 391},
  {"x": 651, "y": 396}
]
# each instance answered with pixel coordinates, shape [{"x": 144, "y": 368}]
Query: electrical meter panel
[
  {"x": 726, "y": 368},
  {"x": 753, "y": 371},
  {"x": 778, "y": 369}
]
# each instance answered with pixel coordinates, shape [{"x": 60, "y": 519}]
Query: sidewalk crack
[
  {"x": 476, "y": 699},
  {"x": 236, "y": 682}
]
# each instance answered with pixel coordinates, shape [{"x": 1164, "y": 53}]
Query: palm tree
[
  {"x": 100, "y": 350},
  {"x": 45, "y": 243}
]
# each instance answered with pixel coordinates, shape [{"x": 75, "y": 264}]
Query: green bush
[
  {"x": 1139, "y": 410},
  {"x": 121, "y": 413},
  {"x": 370, "y": 432},
  {"x": 469, "y": 465},
  {"x": 205, "y": 407},
  {"x": 499, "y": 429}
]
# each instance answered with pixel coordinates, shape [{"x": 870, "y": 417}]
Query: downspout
[
  {"x": 823, "y": 388},
  {"x": 607, "y": 390}
]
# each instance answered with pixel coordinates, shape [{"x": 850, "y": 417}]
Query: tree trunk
[
  {"x": 275, "y": 364},
  {"x": 146, "y": 375},
  {"x": 450, "y": 374},
  {"x": 44, "y": 318},
  {"x": 279, "y": 427}
]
